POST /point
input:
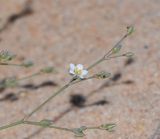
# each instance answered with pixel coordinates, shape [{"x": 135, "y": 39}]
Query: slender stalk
[
  {"x": 11, "y": 125},
  {"x": 47, "y": 100},
  {"x": 53, "y": 95},
  {"x": 47, "y": 126},
  {"x": 80, "y": 80},
  {"x": 10, "y": 64},
  {"x": 4, "y": 85},
  {"x": 111, "y": 57},
  {"x": 106, "y": 56},
  {"x": 96, "y": 63},
  {"x": 118, "y": 43},
  {"x": 30, "y": 76},
  {"x": 95, "y": 127}
]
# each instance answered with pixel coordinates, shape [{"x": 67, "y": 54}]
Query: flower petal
[
  {"x": 80, "y": 67},
  {"x": 84, "y": 72},
  {"x": 72, "y": 67},
  {"x": 71, "y": 72}
]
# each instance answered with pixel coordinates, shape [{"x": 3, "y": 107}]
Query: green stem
[
  {"x": 46, "y": 126},
  {"x": 9, "y": 64},
  {"x": 118, "y": 43},
  {"x": 30, "y": 76},
  {"x": 95, "y": 63},
  {"x": 80, "y": 80},
  {"x": 17, "y": 80},
  {"x": 96, "y": 127},
  {"x": 47, "y": 100},
  {"x": 11, "y": 125}
]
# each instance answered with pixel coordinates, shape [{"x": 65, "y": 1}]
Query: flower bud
[
  {"x": 108, "y": 127},
  {"x": 11, "y": 82},
  {"x": 46, "y": 122},
  {"x": 6, "y": 56},
  {"x": 79, "y": 131},
  {"x": 130, "y": 30},
  {"x": 102, "y": 75},
  {"x": 116, "y": 49},
  {"x": 128, "y": 54},
  {"x": 27, "y": 64},
  {"x": 47, "y": 70}
]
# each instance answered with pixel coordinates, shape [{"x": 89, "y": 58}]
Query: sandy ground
[{"x": 56, "y": 33}]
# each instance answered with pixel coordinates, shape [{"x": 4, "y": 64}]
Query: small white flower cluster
[{"x": 78, "y": 70}]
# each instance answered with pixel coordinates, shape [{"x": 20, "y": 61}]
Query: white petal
[
  {"x": 72, "y": 67},
  {"x": 71, "y": 72},
  {"x": 80, "y": 67},
  {"x": 84, "y": 72}
]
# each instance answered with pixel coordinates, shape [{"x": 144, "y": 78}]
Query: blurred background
[{"x": 59, "y": 32}]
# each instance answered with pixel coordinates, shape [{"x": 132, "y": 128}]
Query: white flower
[{"x": 78, "y": 70}]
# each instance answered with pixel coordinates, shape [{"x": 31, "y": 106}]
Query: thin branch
[
  {"x": 11, "y": 64},
  {"x": 46, "y": 101},
  {"x": 46, "y": 126},
  {"x": 109, "y": 53},
  {"x": 11, "y": 125}
]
